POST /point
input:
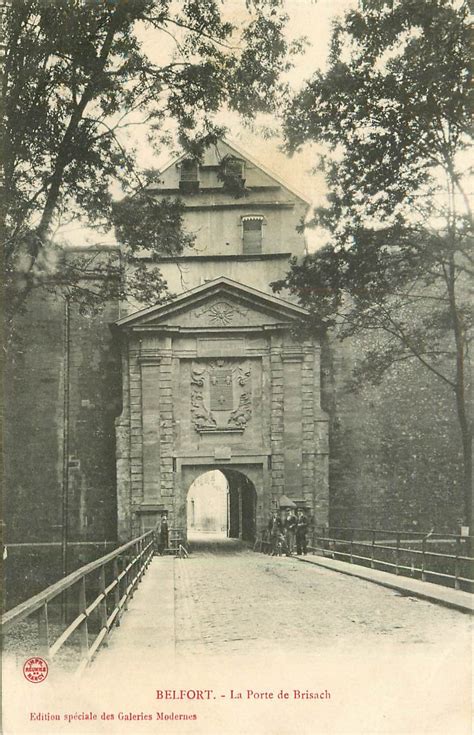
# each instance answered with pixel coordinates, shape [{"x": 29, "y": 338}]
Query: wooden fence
[{"x": 97, "y": 593}]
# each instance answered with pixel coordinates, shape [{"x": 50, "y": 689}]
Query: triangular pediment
[
  {"x": 214, "y": 155},
  {"x": 218, "y": 304}
]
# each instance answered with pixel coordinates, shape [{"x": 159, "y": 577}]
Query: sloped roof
[
  {"x": 246, "y": 156},
  {"x": 285, "y": 502},
  {"x": 222, "y": 284}
]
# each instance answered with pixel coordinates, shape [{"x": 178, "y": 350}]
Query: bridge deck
[
  {"x": 147, "y": 629},
  {"x": 224, "y": 597},
  {"x": 228, "y": 619}
]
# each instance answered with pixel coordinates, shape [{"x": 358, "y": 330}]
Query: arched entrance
[
  {"x": 221, "y": 503},
  {"x": 242, "y": 505},
  {"x": 207, "y": 505},
  {"x": 217, "y": 381}
]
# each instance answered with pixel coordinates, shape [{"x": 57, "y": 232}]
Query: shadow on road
[{"x": 207, "y": 543}]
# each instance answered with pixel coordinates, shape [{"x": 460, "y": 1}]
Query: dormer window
[
  {"x": 231, "y": 172},
  {"x": 252, "y": 234},
  {"x": 189, "y": 175},
  {"x": 234, "y": 167}
]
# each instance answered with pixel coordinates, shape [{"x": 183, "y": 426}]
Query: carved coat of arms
[{"x": 220, "y": 395}]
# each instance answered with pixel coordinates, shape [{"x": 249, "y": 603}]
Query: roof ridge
[
  {"x": 276, "y": 301},
  {"x": 243, "y": 153}
]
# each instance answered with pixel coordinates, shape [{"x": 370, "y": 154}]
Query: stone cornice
[
  {"x": 149, "y": 358},
  {"x": 295, "y": 355},
  {"x": 176, "y": 329},
  {"x": 241, "y": 257}
]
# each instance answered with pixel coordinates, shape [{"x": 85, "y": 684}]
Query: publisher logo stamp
[{"x": 35, "y": 670}]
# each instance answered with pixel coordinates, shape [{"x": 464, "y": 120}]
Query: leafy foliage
[
  {"x": 393, "y": 115},
  {"x": 230, "y": 173},
  {"x": 78, "y": 76},
  {"x": 144, "y": 224},
  {"x": 395, "y": 448}
]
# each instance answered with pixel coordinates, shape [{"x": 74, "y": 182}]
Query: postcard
[{"x": 238, "y": 436}]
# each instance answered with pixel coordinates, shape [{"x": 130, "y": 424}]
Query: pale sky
[{"x": 310, "y": 18}]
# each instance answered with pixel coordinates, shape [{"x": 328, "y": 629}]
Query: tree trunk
[
  {"x": 461, "y": 394},
  {"x": 40, "y": 234}
]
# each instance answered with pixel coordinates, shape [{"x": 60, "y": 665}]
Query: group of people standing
[{"x": 288, "y": 533}]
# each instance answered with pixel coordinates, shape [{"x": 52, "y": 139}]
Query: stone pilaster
[
  {"x": 308, "y": 423},
  {"x": 122, "y": 432},
  {"x": 276, "y": 418},
  {"x": 136, "y": 434},
  {"x": 292, "y": 422},
  {"x": 166, "y": 425},
  {"x": 321, "y": 445},
  {"x": 150, "y": 374}
]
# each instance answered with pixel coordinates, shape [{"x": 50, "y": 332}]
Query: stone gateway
[
  {"x": 115, "y": 418},
  {"x": 214, "y": 380}
]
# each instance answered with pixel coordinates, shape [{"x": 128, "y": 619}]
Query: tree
[
  {"x": 76, "y": 77},
  {"x": 392, "y": 113}
]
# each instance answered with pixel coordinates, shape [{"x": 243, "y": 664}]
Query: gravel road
[{"x": 228, "y": 597}]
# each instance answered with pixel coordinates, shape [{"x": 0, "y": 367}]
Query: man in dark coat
[
  {"x": 275, "y": 533},
  {"x": 301, "y": 530},
  {"x": 290, "y": 530},
  {"x": 162, "y": 533}
]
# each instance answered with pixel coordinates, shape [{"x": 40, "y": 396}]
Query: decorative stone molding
[
  {"x": 290, "y": 355},
  {"x": 149, "y": 357},
  {"x": 221, "y": 313},
  {"x": 219, "y": 400},
  {"x": 243, "y": 412},
  {"x": 202, "y": 418}
]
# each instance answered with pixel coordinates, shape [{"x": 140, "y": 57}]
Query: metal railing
[
  {"x": 407, "y": 553},
  {"x": 90, "y": 600},
  {"x": 437, "y": 557}
]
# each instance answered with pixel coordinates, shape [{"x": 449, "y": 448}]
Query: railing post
[
  {"x": 83, "y": 628},
  {"x": 457, "y": 564},
  {"x": 135, "y": 575},
  {"x": 372, "y": 550},
  {"x": 43, "y": 629},
  {"x": 397, "y": 555},
  {"x": 126, "y": 578},
  {"x": 64, "y": 603},
  {"x": 116, "y": 573},
  {"x": 142, "y": 560},
  {"x": 103, "y": 603},
  {"x": 423, "y": 559},
  {"x": 351, "y": 548},
  {"x": 139, "y": 561},
  {"x": 144, "y": 556}
]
